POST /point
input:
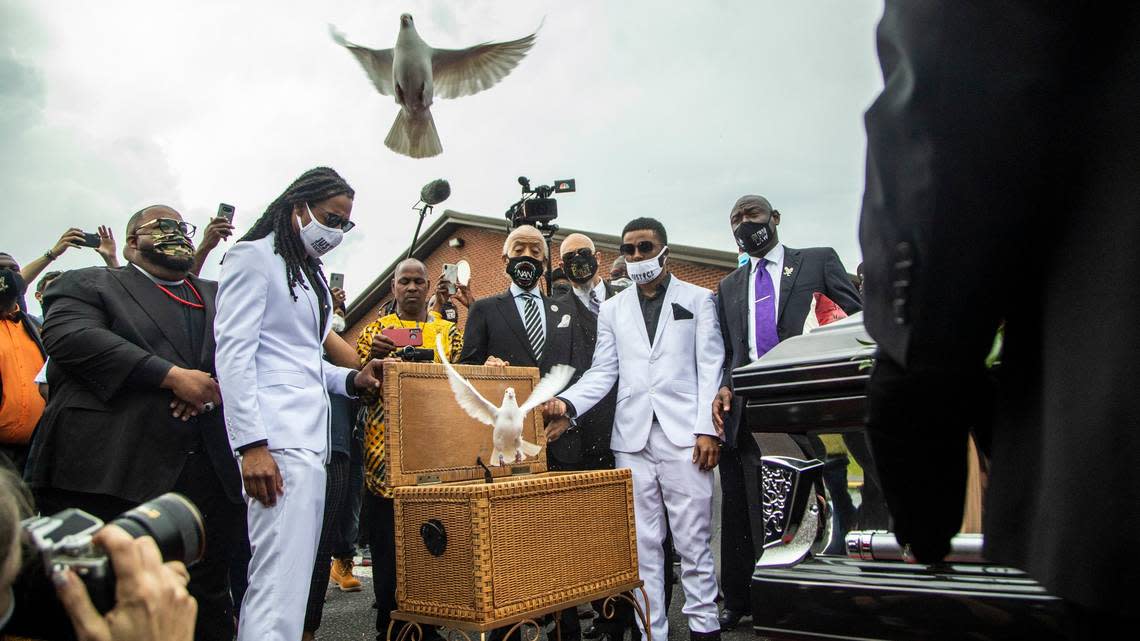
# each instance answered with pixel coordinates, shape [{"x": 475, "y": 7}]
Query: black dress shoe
[
  {"x": 704, "y": 636},
  {"x": 730, "y": 618}
]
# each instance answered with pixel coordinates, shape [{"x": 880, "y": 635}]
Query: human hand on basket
[
  {"x": 369, "y": 376},
  {"x": 556, "y": 427},
  {"x": 495, "y": 361}
]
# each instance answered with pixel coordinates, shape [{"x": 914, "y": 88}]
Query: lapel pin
[
  {"x": 554, "y": 308},
  {"x": 788, "y": 271}
]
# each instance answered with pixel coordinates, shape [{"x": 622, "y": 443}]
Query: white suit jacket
[
  {"x": 675, "y": 379},
  {"x": 275, "y": 383}
]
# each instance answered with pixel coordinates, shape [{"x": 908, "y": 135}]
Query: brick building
[{"x": 479, "y": 240}]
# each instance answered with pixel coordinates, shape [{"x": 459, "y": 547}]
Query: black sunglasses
[
  {"x": 583, "y": 251},
  {"x": 645, "y": 246},
  {"x": 336, "y": 221}
]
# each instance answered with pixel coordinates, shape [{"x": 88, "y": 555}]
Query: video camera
[
  {"x": 64, "y": 539},
  {"x": 536, "y": 207}
]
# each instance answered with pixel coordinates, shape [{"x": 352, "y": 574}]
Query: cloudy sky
[{"x": 671, "y": 110}]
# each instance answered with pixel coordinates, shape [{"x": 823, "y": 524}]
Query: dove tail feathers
[
  {"x": 414, "y": 135},
  {"x": 529, "y": 449}
]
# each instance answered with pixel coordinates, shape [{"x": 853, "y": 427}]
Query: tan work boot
[{"x": 341, "y": 574}]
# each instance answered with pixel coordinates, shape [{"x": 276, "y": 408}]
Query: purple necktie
[{"x": 766, "y": 337}]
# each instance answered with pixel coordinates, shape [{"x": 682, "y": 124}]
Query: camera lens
[{"x": 173, "y": 522}]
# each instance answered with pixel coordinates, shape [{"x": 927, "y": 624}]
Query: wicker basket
[{"x": 467, "y": 550}]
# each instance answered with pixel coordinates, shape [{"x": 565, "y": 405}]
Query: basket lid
[{"x": 429, "y": 438}]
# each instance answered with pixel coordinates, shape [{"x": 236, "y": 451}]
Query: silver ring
[{"x": 208, "y": 406}]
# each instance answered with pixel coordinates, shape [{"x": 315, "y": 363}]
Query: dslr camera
[
  {"x": 536, "y": 207},
  {"x": 64, "y": 540}
]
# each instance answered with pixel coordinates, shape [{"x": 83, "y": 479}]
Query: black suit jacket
[
  {"x": 1015, "y": 126},
  {"x": 596, "y": 426},
  {"x": 805, "y": 272},
  {"x": 112, "y": 336},
  {"x": 494, "y": 328}
]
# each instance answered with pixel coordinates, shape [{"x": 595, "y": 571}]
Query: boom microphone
[{"x": 435, "y": 192}]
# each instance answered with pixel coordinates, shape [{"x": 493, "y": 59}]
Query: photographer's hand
[
  {"x": 106, "y": 247},
  {"x": 463, "y": 295},
  {"x": 382, "y": 346},
  {"x": 442, "y": 295},
  {"x": 151, "y": 601},
  {"x": 339, "y": 297}
]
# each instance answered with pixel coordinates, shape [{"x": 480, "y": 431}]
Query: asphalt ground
[{"x": 350, "y": 616}]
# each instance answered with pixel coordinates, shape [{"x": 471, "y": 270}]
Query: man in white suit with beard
[{"x": 660, "y": 342}]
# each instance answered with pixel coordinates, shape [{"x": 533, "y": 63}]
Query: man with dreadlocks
[{"x": 274, "y": 312}]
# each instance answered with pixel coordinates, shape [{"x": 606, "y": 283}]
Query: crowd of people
[
  {"x": 1000, "y": 186},
  {"x": 273, "y": 422}
]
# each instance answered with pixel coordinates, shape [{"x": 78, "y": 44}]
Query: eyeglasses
[
  {"x": 645, "y": 247},
  {"x": 336, "y": 221},
  {"x": 583, "y": 251},
  {"x": 170, "y": 226}
]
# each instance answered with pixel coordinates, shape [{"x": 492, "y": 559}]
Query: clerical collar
[{"x": 156, "y": 280}]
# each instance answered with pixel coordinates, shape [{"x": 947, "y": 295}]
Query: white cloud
[{"x": 665, "y": 110}]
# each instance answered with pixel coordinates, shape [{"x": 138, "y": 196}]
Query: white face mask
[
  {"x": 338, "y": 323},
  {"x": 644, "y": 271},
  {"x": 318, "y": 239}
]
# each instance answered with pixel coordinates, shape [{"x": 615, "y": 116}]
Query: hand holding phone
[
  {"x": 226, "y": 211},
  {"x": 336, "y": 281}
]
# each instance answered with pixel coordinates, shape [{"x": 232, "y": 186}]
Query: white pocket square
[{"x": 565, "y": 322}]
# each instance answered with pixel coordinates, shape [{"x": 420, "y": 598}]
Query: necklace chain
[{"x": 199, "y": 305}]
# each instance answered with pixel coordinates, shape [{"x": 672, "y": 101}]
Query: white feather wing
[
  {"x": 555, "y": 381},
  {"x": 465, "y": 394}
]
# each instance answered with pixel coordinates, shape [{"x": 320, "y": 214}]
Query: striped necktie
[
  {"x": 595, "y": 304},
  {"x": 533, "y": 325}
]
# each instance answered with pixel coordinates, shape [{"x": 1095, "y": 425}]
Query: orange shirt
[{"x": 20, "y": 361}]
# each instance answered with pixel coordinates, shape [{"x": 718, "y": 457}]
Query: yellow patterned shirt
[{"x": 375, "y": 469}]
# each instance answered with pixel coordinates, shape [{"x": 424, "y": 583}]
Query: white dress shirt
[
  {"x": 583, "y": 294},
  {"x": 775, "y": 256},
  {"x": 520, "y": 303}
]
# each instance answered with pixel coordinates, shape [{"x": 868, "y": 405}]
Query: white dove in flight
[
  {"x": 415, "y": 73},
  {"x": 507, "y": 419}
]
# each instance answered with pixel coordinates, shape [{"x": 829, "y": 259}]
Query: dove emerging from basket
[{"x": 507, "y": 442}]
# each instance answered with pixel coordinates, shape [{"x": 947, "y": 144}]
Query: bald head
[
  {"x": 147, "y": 214},
  {"x": 752, "y": 202},
  {"x": 525, "y": 240},
  {"x": 410, "y": 265},
  {"x": 574, "y": 242}
]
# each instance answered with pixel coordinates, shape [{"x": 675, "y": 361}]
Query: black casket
[{"x": 818, "y": 580}]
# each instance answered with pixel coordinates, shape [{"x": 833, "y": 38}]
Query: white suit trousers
[
  {"x": 666, "y": 481},
  {"x": 283, "y": 539}
]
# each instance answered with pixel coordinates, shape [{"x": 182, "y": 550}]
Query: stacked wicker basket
[{"x": 478, "y": 552}]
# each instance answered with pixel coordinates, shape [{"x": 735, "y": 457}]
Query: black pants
[
  {"x": 224, "y": 521},
  {"x": 381, "y": 530},
  {"x": 336, "y": 497},
  {"x": 738, "y": 546}
]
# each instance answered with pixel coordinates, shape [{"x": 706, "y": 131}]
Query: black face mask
[
  {"x": 755, "y": 239},
  {"x": 581, "y": 269},
  {"x": 524, "y": 271}
]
